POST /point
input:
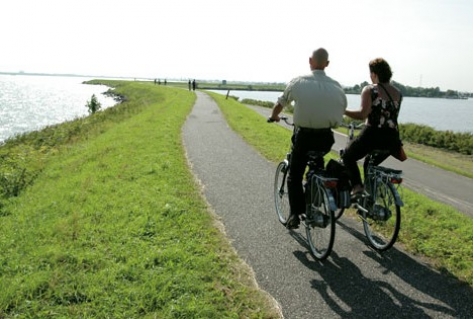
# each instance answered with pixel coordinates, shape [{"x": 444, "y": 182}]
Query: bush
[
  {"x": 258, "y": 102},
  {"x": 447, "y": 140},
  {"x": 93, "y": 105}
]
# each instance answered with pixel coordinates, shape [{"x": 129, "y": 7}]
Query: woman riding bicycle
[{"x": 380, "y": 106}]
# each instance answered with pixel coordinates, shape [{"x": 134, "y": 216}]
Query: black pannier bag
[{"x": 338, "y": 170}]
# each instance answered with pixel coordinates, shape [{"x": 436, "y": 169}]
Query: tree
[{"x": 93, "y": 105}]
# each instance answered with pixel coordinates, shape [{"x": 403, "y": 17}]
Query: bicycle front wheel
[
  {"x": 320, "y": 222},
  {"x": 280, "y": 191},
  {"x": 382, "y": 220}
]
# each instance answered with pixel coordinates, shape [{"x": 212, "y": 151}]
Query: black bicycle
[
  {"x": 318, "y": 220},
  {"x": 379, "y": 206}
]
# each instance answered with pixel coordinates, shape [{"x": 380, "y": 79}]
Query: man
[{"x": 319, "y": 104}]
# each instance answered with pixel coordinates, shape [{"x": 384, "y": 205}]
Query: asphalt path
[{"x": 354, "y": 282}]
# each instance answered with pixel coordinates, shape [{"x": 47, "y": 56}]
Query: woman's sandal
[{"x": 355, "y": 196}]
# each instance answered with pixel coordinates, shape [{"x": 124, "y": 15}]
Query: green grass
[
  {"x": 113, "y": 224},
  {"x": 451, "y": 161},
  {"x": 429, "y": 229}
]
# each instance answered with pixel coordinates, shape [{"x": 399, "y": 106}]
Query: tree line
[{"x": 415, "y": 92}]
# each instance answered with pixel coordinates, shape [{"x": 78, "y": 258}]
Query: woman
[{"x": 380, "y": 105}]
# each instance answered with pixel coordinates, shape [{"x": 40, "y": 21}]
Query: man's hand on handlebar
[
  {"x": 272, "y": 119},
  {"x": 284, "y": 118}
]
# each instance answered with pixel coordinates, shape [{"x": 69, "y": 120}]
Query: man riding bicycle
[{"x": 319, "y": 104}]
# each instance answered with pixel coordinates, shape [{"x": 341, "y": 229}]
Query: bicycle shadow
[{"x": 350, "y": 294}]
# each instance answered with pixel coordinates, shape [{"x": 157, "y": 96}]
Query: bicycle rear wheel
[
  {"x": 339, "y": 212},
  {"x": 382, "y": 220},
  {"x": 282, "y": 203},
  {"x": 320, "y": 222}
]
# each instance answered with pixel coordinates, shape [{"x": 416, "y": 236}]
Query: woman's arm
[{"x": 365, "y": 106}]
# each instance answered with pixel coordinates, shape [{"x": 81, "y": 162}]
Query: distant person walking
[
  {"x": 189, "y": 85},
  {"x": 194, "y": 85}
]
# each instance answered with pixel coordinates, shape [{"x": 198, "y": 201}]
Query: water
[
  {"x": 440, "y": 114},
  {"x": 29, "y": 103}
]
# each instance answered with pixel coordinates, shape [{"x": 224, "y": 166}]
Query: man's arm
[{"x": 277, "y": 108}]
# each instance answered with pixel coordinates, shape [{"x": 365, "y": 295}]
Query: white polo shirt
[{"x": 319, "y": 100}]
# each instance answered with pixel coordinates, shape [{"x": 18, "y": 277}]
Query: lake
[
  {"x": 29, "y": 103},
  {"x": 440, "y": 114}
]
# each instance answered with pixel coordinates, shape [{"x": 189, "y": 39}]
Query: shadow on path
[{"x": 351, "y": 294}]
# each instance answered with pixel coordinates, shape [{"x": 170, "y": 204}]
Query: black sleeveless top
[{"x": 384, "y": 113}]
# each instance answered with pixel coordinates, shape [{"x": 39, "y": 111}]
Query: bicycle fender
[
  {"x": 398, "y": 199},
  {"x": 332, "y": 202}
]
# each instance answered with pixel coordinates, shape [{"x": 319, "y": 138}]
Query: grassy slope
[
  {"x": 115, "y": 227},
  {"x": 454, "y": 162},
  {"x": 430, "y": 229}
]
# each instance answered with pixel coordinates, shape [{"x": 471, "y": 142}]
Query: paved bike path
[{"x": 355, "y": 282}]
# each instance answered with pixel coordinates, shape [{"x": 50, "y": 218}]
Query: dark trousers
[
  {"x": 368, "y": 140},
  {"x": 304, "y": 141}
]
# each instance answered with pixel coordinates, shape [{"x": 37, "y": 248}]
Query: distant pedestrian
[
  {"x": 194, "y": 85},
  {"x": 189, "y": 85}
]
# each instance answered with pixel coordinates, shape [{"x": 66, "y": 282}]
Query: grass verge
[
  {"x": 114, "y": 224},
  {"x": 432, "y": 230}
]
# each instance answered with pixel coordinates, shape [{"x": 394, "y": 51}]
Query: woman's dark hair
[{"x": 380, "y": 67}]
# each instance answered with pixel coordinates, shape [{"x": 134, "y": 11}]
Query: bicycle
[
  {"x": 318, "y": 220},
  {"x": 379, "y": 207}
]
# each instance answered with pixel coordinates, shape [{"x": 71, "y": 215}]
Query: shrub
[
  {"x": 448, "y": 140},
  {"x": 258, "y": 102},
  {"x": 93, "y": 105}
]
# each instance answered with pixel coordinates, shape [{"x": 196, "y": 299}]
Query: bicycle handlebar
[
  {"x": 352, "y": 125},
  {"x": 284, "y": 118}
]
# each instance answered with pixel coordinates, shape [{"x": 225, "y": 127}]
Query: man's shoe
[{"x": 293, "y": 222}]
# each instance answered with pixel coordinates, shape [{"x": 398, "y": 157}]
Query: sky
[{"x": 428, "y": 43}]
